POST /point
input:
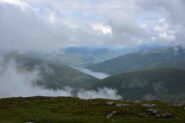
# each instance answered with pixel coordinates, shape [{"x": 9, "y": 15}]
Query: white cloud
[
  {"x": 52, "y": 18},
  {"x": 59, "y": 23},
  {"x": 164, "y": 33},
  {"x": 16, "y": 82},
  {"x": 102, "y": 29},
  {"x": 100, "y": 93},
  {"x": 20, "y": 3}
]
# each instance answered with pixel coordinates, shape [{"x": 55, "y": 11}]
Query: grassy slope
[
  {"x": 73, "y": 110},
  {"x": 162, "y": 83},
  {"x": 142, "y": 60},
  {"x": 53, "y": 75}
]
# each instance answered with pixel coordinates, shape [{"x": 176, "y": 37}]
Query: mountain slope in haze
[
  {"x": 85, "y": 55},
  {"x": 163, "y": 84},
  {"x": 163, "y": 57},
  {"x": 53, "y": 75}
]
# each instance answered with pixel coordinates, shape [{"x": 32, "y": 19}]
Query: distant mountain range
[
  {"x": 85, "y": 55},
  {"x": 144, "y": 59},
  {"x": 155, "y": 73}
]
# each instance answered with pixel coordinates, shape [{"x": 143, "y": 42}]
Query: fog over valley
[
  {"x": 92, "y": 61},
  {"x": 19, "y": 82}
]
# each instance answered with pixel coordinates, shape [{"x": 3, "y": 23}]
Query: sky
[{"x": 52, "y": 24}]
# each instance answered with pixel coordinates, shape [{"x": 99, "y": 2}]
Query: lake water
[{"x": 98, "y": 75}]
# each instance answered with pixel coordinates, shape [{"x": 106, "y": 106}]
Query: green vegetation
[
  {"x": 165, "y": 57},
  {"x": 164, "y": 84},
  {"x": 74, "y": 110}
]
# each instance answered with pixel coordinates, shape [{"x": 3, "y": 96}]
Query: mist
[
  {"x": 16, "y": 82},
  {"x": 19, "y": 82},
  {"x": 100, "y": 93}
]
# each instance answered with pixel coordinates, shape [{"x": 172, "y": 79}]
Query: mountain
[
  {"x": 164, "y": 84},
  {"x": 85, "y": 55},
  {"x": 53, "y": 75},
  {"x": 145, "y": 59}
]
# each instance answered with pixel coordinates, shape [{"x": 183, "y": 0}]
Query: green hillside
[
  {"x": 74, "y": 110},
  {"x": 164, "y": 84},
  {"x": 180, "y": 64},
  {"x": 164, "y": 57},
  {"x": 53, "y": 75}
]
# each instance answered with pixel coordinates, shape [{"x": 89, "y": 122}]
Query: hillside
[
  {"x": 163, "y": 57},
  {"x": 74, "y": 110},
  {"x": 85, "y": 55},
  {"x": 53, "y": 75},
  {"x": 164, "y": 84}
]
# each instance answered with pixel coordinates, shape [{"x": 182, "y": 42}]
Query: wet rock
[{"x": 110, "y": 115}]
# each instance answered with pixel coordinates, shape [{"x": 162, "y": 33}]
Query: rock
[
  {"x": 165, "y": 115},
  {"x": 109, "y": 103},
  {"x": 149, "y": 105},
  {"x": 110, "y": 115},
  {"x": 152, "y": 111},
  {"x": 178, "y": 105},
  {"x": 121, "y": 105}
]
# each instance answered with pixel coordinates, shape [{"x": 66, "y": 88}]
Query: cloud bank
[
  {"x": 18, "y": 82},
  {"x": 100, "y": 93},
  {"x": 49, "y": 25}
]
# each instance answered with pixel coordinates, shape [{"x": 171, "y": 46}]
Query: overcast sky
[{"x": 53, "y": 24}]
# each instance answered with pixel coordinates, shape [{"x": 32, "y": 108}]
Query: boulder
[{"x": 110, "y": 115}]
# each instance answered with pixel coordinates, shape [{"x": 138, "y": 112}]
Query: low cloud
[
  {"x": 100, "y": 93},
  {"x": 15, "y": 81},
  {"x": 18, "y": 82}
]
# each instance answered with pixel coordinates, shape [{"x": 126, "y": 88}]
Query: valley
[{"x": 92, "y": 61}]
